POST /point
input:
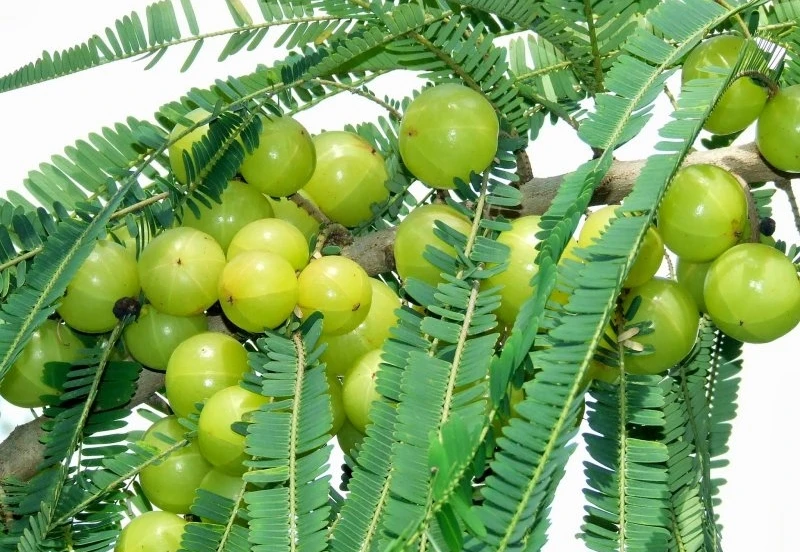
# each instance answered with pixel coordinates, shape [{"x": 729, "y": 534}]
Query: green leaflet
[
  {"x": 131, "y": 37},
  {"x": 511, "y": 510},
  {"x": 287, "y": 438}
]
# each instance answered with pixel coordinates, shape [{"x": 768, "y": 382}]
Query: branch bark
[
  {"x": 22, "y": 451},
  {"x": 375, "y": 252}
]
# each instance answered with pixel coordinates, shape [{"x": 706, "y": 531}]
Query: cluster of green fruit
[{"x": 249, "y": 254}]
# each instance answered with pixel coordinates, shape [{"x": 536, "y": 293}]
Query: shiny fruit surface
[
  {"x": 170, "y": 483},
  {"x": 24, "y": 384},
  {"x": 201, "y": 366},
  {"x": 703, "y": 213},
  {"x": 184, "y": 144},
  {"x": 651, "y": 252},
  {"x": 338, "y": 288},
  {"x": 692, "y": 276},
  {"x": 283, "y": 161},
  {"x": 741, "y": 104},
  {"x": 343, "y": 351},
  {"x": 752, "y": 293},
  {"x": 151, "y": 339},
  {"x": 359, "y": 390},
  {"x": 275, "y": 236},
  {"x": 240, "y": 204},
  {"x": 446, "y": 132},
  {"x": 675, "y": 322},
  {"x": 152, "y": 532},
  {"x": 415, "y": 232},
  {"x": 778, "y": 130},
  {"x": 291, "y": 212},
  {"x": 109, "y": 273},
  {"x": 179, "y": 270},
  {"x": 258, "y": 290},
  {"x": 220, "y": 445},
  {"x": 349, "y": 177}
]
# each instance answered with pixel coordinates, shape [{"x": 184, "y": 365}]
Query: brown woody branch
[{"x": 22, "y": 451}]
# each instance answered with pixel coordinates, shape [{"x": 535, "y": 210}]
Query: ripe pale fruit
[
  {"x": 220, "y": 445},
  {"x": 179, "y": 271},
  {"x": 675, "y": 322},
  {"x": 152, "y": 532},
  {"x": 359, "y": 390},
  {"x": 741, "y": 104},
  {"x": 338, "y": 288},
  {"x": 343, "y": 351},
  {"x": 171, "y": 483},
  {"x": 703, "y": 213},
  {"x": 446, "y": 132},
  {"x": 778, "y": 130},
  {"x": 291, "y": 212},
  {"x": 752, "y": 293},
  {"x": 154, "y": 335},
  {"x": 109, "y": 273},
  {"x": 184, "y": 144},
  {"x": 201, "y": 366},
  {"x": 26, "y": 381},
  {"x": 651, "y": 252},
  {"x": 415, "y": 232},
  {"x": 692, "y": 276},
  {"x": 283, "y": 161},
  {"x": 240, "y": 204},
  {"x": 258, "y": 290},
  {"x": 349, "y": 177},
  {"x": 275, "y": 236}
]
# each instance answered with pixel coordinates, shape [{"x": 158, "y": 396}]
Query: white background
[{"x": 759, "y": 509}]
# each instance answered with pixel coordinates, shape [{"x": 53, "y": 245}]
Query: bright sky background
[{"x": 759, "y": 510}]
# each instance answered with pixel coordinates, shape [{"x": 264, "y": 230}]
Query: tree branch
[{"x": 21, "y": 452}]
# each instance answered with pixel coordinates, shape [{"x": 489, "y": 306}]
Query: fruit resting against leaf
[
  {"x": 446, "y": 132},
  {"x": 416, "y": 232},
  {"x": 219, "y": 443},
  {"x": 171, "y": 482},
  {"x": 675, "y": 322},
  {"x": 651, "y": 252},
  {"x": 183, "y": 145},
  {"x": 778, "y": 130},
  {"x": 703, "y": 212},
  {"x": 349, "y": 177},
  {"x": 742, "y": 101},
  {"x": 752, "y": 293},
  {"x": 29, "y": 378},
  {"x": 360, "y": 390},
  {"x": 284, "y": 159}
]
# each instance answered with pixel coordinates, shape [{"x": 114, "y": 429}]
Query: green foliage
[{"x": 444, "y": 465}]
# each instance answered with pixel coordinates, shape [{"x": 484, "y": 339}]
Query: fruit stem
[
  {"x": 310, "y": 208},
  {"x": 737, "y": 17}
]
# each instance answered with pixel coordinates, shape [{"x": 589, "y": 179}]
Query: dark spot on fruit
[
  {"x": 412, "y": 132},
  {"x": 356, "y": 307},
  {"x": 229, "y": 299},
  {"x": 373, "y": 151},
  {"x": 741, "y": 323},
  {"x": 179, "y": 262},
  {"x": 127, "y": 307}
]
